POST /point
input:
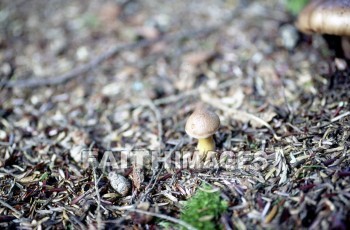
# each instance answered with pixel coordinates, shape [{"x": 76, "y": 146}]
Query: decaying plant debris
[{"x": 287, "y": 108}]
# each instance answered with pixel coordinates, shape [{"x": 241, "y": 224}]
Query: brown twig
[
  {"x": 34, "y": 82},
  {"x": 158, "y": 118},
  {"x": 237, "y": 113},
  {"x": 98, "y": 217}
]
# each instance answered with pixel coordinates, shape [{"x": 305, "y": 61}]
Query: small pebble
[
  {"x": 289, "y": 36},
  {"x": 119, "y": 183},
  {"x": 78, "y": 154},
  {"x": 340, "y": 64},
  {"x": 3, "y": 135},
  {"x": 82, "y": 53},
  {"x": 111, "y": 89}
]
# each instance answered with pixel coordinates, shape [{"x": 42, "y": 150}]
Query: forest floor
[{"x": 125, "y": 75}]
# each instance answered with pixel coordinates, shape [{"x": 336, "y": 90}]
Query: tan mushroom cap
[
  {"x": 325, "y": 17},
  {"x": 202, "y": 123}
]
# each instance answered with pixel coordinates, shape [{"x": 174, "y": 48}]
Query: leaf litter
[{"x": 286, "y": 109}]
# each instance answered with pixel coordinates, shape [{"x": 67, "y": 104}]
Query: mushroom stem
[
  {"x": 345, "y": 43},
  {"x": 334, "y": 44},
  {"x": 206, "y": 144}
]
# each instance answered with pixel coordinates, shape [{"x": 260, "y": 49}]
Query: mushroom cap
[
  {"x": 325, "y": 17},
  {"x": 202, "y": 123}
]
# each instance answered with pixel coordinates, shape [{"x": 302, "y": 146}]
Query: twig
[
  {"x": 152, "y": 183},
  {"x": 99, "y": 218},
  {"x": 337, "y": 118},
  {"x": 158, "y": 117},
  {"x": 221, "y": 106},
  {"x": 156, "y": 174},
  {"x": 99, "y": 222},
  {"x": 56, "y": 80},
  {"x": 340, "y": 116}
]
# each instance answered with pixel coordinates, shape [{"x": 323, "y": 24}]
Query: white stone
[{"x": 119, "y": 183}]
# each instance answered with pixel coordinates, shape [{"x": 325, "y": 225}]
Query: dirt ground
[{"x": 113, "y": 75}]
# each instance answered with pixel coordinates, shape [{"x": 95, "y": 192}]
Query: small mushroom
[
  {"x": 328, "y": 17},
  {"x": 202, "y": 124}
]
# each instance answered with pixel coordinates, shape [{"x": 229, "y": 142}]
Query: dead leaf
[{"x": 137, "y": 177}]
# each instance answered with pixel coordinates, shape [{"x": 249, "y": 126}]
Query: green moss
[
  {"x": 44, "y": 177},
  {"x": 295, "y": 6},
  {"x": 203, "y": 210}
]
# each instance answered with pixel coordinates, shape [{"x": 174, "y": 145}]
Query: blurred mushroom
[
  {"x": 330, "y": 18},
  {"x": 202, "y": 124}
]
